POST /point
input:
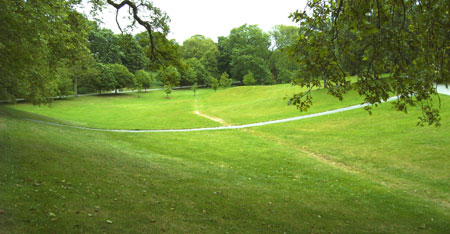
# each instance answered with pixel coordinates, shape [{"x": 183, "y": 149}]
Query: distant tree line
[
  {"x": 69, "y": 55},
  {"x": 118, "y": 61}
]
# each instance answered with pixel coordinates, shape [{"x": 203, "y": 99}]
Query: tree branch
[{"x": 145, "y": 24}]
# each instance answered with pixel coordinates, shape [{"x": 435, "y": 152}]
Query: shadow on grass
[{"x": 18, "y": 114}]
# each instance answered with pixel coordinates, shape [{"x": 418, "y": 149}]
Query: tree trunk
[
  {"x": 75, "y": 86},
  {"x": 115, "y": 91},
  {"x": 325, "y": 85}
]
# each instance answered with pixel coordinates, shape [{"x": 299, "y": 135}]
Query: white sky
[{"x": 214, "y": 18}]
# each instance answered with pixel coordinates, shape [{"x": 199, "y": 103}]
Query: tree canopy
[
  {"x": 407, "y": 40},
  {"x": 37, "y": 36},
  {"x": 249, "y": 47}
]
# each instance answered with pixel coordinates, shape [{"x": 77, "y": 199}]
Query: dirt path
[{"x": 219, "y": 120}]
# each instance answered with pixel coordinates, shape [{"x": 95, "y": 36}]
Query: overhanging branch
[{"x": 147, "y": 25}]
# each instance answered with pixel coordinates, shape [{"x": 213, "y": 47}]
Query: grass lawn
[
  {"x": 346, "y": 173},
  {"x": 250, "y": 104},
  {"x": 152, "y": 110}
]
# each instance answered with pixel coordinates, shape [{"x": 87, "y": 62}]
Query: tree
[
  {"x": 143, "y": 80},
  {"x": 169, "y": 50},
  {"x": 34, "y": 37},
  {"x": 171, "y": 76},
  {"x": 225, "y": 81},
  {"x": 63, "y": 82},
  {"x": 145, "y": 14},
  {"x": 281, "y": 65},
  {"x": 194, "y": 89},
  {"x": 105, "y": 81},
  {"x": 168, "y": 90},
  {"x": 104, "y": 45},
  {"x": 203, "y": 49},
  {"x": 249, "y": 51},
  {"x": 188, "y": 74},
  {"x": 201, "y": 75},
  {"x": 406, "y": 39},
  {"x": 249, "y": 79},
  {"x": 209, "y": 61},
  {"x": 224, "y": 58},
  {"x": 121, "y": 76},
  {"x": 132, "y": 54},
  {"x": 28, "y": 65},
  {"x": 213, "y": 83},
  {"x": 284, "y": 36}
]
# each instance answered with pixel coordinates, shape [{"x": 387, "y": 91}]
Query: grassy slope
[
  {"x": 151, "y": 111},
  {"x": 237, "y": 105},
  {"x": 347, "y": 172},
  {"x": 242, "y": 105}
]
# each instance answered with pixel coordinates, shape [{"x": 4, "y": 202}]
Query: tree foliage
[
  {"x": 194, "y": 89},
  {"x": 104, "y": 45},
  {"x": 284, "y": 36},
  {"x": 204, "y": 50},
  {"x": 249, "y": 79},
  {"x": 143, "y": 80},
  {"x": 143, "y": 13},
  {"x": 406, "y": 39},
  {"x": 281, "y": 65},
  {"x": 213, "y": 83},
  {"x": 249, "y": 51},
  {"x": 225, "y": 81},
  {"x": 171, "y": 76},
  {"x": 34, "y": 37}
]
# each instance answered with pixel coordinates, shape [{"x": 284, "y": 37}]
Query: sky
[{"x": 214, "y": 18}]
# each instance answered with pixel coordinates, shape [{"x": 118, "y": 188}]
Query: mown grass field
[
  {"x": 346, "y": 173},
  {"x": 152, "y": 110}
]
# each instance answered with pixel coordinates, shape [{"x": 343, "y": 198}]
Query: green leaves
[
  {"x": 249, "y": 79},
  {"x": 249, "y": 52},
  {"x": 371, "y": 38},
  {"x": 225, "y": 81}
]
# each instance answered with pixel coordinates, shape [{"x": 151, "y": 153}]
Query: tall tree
[
  {"x": 31, "y": 35},
  {"x": 284, "y": 36},
  {"x": 132, "y": 54},
  {"x": 281, "y": 65},
  {"x": 224, "y": 58},
  {"x": 407, "y": 39},
  {"x": 250, "y": 52},
  {"x": 104, "y": 45},
  {"x": 203, "y": 49},
  {"x": 201, "y": 74},
  {"x": 168, "y": 48}
]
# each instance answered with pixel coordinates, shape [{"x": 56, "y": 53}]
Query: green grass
[
  {"x": 242, "y": 105},
  {"x": 237, "y": 105},
  {"x": 345, "y": 173},
  {"x": 150, "y": 110}
]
